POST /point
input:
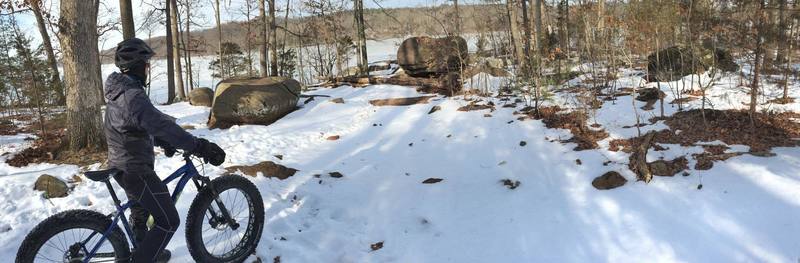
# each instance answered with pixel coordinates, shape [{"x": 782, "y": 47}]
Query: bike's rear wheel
[
  {"x": 69, "y": 236},
  {"x": 209, "y": 235}
]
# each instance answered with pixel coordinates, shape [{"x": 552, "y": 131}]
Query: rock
[
  {"x": 668, "y": 168},
  {"x": 492, "y": 66},
  {"x": 201, "y": 97},
  {"x": 335, "y": 175},
  {"x": 432, "y": 180},
  {"x": 494, "y": 62},
  {"x": 511, "y": 184},
  {"x": 450, "y": 83},
  {"x": 267, "y": 169},
  {"x": 673, "y": 63},
  {"x": 376, "y": 246},
  {"x": 703, "y": 164},
  {"x": 51, "y": 186},
  {"x": 338, "y": 100},
  {"x": 649, "y": 94},
  {"x": 724, "y": 60},
  {"x": 609, "y": 180},
  {"x": 426, "y": 56},
  {"x": 253, "y": 101},
  {"x": 333, "y": 137},
  {"x": 350, "y": 71}
]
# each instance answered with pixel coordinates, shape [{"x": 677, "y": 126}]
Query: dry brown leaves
[{"x": 555, "y": 117}]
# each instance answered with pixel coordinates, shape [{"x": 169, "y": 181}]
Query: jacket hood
[{"x": 117, "y": 83}]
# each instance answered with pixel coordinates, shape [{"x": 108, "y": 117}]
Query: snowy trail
[{"x": 747, "y": 210}]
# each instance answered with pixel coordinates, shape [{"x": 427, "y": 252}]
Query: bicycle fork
[{"x": 204, "y": 182}]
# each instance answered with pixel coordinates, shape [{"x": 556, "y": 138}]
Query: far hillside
[{"x": 381, "y": 24}]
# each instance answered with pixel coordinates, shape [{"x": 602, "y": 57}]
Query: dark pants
[{"x": 153, "y": 199}]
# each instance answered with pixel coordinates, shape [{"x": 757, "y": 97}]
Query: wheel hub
[
  {"x": 73, "y": 254},
  {"x": 220, "y": 223}
]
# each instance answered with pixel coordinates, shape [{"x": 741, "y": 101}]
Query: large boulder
[
  {"x": 253, "y": 101},
  {"x": 51, "y": 186},
  {"x": 201, "y": 97},
  {"x": 673, "y": 63},
  {"x": 724, "y": 60},
  {"x": 426, "y": 56}
]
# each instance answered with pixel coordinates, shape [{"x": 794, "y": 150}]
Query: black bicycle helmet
[{"x": 132, "y": 52}]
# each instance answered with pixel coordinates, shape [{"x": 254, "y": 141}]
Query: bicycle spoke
[{"x": 223, "y": 239}]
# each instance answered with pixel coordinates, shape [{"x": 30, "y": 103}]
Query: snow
[
  {"x": 746, "y": 211},
  {"x": 486, "y": 83}
]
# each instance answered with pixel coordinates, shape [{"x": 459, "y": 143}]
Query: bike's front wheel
[
  {"x": 70, "y": 236},
  {"x": 225, "y": 227}
]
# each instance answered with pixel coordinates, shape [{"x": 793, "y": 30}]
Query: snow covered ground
[{"x": 746, "y": 211}]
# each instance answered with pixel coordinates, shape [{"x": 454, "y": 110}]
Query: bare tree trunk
[
  {"x": 24, "y": 52},
  {"x": 273, "y": 40},
  {"x": 219, "y": 40},
  {"x": 188, "y": 45},
  {"x": 78, "y": 31},
  {"x": 170, "y": 60},
  {"x": 564, "y": 27},
  {"x": 249, "y": 40},
  {"x": 759, "y": 53},
  {"x": 782, "y": 28},
  {"x": 526, "y": 24},
  {"x": 516, "y": 39},
  {"x": 176, "y": 50},
  {"x": 458, "y": 18},
  {"x": 262, "y": 33},
  {"x": 787, "y": 63},
  {"x": 539, "y": 32},
  {"x": 48, "y": 48},
  {"x": 126, "y": 19},
  {"x": 601, "y": 12},
  {"x": 358, "y": 11}
]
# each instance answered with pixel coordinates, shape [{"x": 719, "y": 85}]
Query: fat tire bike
[{"x": 224, "y": 223}]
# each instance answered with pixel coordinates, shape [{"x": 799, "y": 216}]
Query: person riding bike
[{"x": 132, "y": 127}]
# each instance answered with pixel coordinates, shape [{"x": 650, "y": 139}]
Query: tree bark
[
  {"x": 759, "y": 53},
  {"x": 126, "y": 18},
  {"x": 273, "y": 40},
  {"x": 78, "y": 31},
  {"x": 249, "y": 40},
  {"x": 539, "y": 33},
  {"x": 526, "y": 24},
  {"x": 601, "y": 12},
  {"x": 262, "y": 33},
  {"x": 219, "y": 39},
  {"x": 170, "y": 61},
  {"x": 188, "y": 45},
  {"x": 515, "y": 36},
  {"x": 358, "y": 11},
  {"x": 176, "y": 50},
  {"x": 782, "y": 28},
  {"x": 48, "y": 49},
  {"x": 564, "y": 27},
  {"x": 457, "y": 18}
]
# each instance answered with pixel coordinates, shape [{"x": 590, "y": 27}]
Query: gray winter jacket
[{"x": 132, "y": 122}]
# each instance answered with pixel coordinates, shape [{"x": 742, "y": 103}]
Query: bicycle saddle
[{"x": 101, "y": 175}]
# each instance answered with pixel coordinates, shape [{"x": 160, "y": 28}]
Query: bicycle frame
[{"x": 185, "y": 173}]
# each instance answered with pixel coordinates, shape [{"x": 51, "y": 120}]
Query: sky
[{"x": 109, "y": 11}]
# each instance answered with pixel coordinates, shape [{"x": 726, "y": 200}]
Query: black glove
[
  {"x": 169, "y": 151},
  {"x": 210, "y": 152}
]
